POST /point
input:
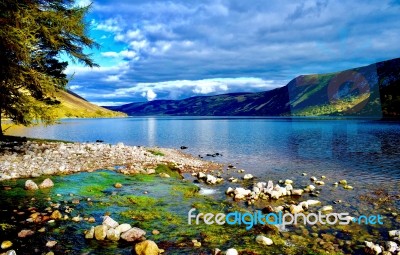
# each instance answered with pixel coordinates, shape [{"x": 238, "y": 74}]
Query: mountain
[
  {"x": 73, "y": 106},
  {"x": 370, "y": 91}
]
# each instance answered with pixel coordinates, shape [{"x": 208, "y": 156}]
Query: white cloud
[
  {"x": 82, "y": 3},
  {"x": 150, "y": 95},
  {"x": 109, "y": 25},
  {"x": 74, "y": 87},
  {"x": 112, "y": 78}
]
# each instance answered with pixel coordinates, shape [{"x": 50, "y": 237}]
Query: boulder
[
  {"x": 113, "y": 234},
  {"x": 123, "y": 227},
  {"x": 100, "y": 232},
  {"x": 391, "y": 246},
  {"x": 110, "y": 222},
  {"x": 260, "y": 239},
  {"x": 133, "y": 234},
  {"x": 147, "y": 247},
  {"x": 211, "y": 179},
  {"x": 31, "y": 185},
  {"x": 47, "y": 183},
  {"x": 89, "y": 234}
]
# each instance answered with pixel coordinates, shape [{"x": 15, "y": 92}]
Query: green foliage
[
  {"x": 156, "y": 152},
  {"x": 33, "y": 34}
]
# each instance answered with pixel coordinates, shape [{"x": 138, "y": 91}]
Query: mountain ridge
[{"x": 370, "y": 91}]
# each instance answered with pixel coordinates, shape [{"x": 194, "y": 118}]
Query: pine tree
[{"x": 33, "y": 35}]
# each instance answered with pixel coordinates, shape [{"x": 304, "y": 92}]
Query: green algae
[
  {"x": 169, "y": 169},
  {"x": 150, "y": 202},
  {"x": 156, "y": 152}
]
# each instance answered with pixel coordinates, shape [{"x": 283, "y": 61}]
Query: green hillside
[
  {"x": 74, "y": 106},
  {"x": 369, "y": 91}
]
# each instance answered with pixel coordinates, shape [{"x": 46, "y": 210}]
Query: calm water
[{"x": 365, "y": 152}]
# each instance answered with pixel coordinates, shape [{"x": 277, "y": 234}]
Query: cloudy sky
[{"x": 160, "y": 49}]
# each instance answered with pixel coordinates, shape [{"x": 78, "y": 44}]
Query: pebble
[
  {"x": 118, "y": 185},
  {"x": 6, "y": 244},
  {"x": 260, "y": 239},
  {"x": 25, "y": 232},
  {"x": 155, "y": 232},
  {"x": 51, "y": 244},
  {"x": 231, "y": 251}
]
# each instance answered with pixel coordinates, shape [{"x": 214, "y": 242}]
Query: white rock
[
  {"x": 320, "y": 183},
  {"x": 313, "y": 202},
  {"x": 261, "y": 185},
  {"x": 211, "y": 179},
  {"x": 313, "y": 178},
  {"x": 31, "y": 185},
  {"x": 201, "y": 175},
  {"x": 133, "y": 234},
  {"x": 393, "y": 233},
  {"x": 123, "y": 227},
  {"x": 248, "y": 177},
  {"x": 289, "y": 187},
  {"x": 309, "y": 188},
  {"x": 287, "y": 181},
  {"x": 47, "y": 183},
  {"x": 260, "y": 239},
  {"x": 231, "y": 251},
  {"x": 373, "y": 247},
  {"x": 229, "y": 191},
  {"x": 110, "y": 222},
  {"x": 391, "y": 246},
  {"x": 296, "y": 209},
  {"x": 297, "y": 192},
  {"x": 327, "y": 208}
]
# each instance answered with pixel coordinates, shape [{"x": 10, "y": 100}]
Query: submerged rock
[
  {"x": 6, "y": 244},
  {"x": 89, "y": 234},
  {"x": 56, "y": 215},
  {"x": 100, "y": 232},
  {"x": 31, "y": 185},
  {"x": 47, "y": 183},
  {"x": 25, "y": 232},
  {"x": 248, "y": 177},
  {"x": 113, "y": 234},
  {"x": 133, "y": 234},
  {"x": 51, "y": 244},
  {"x": 260, "y": 239},
  {"x": 147, "y": 247}
]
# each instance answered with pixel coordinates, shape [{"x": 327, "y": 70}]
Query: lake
[{"x": 364, "y": 152}]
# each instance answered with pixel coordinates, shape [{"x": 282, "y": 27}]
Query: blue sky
[{"x": 159, "y": 49}]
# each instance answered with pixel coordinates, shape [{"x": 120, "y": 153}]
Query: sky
[{"x": 160, "y": 49}]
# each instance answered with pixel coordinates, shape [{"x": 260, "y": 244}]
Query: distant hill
[
  {"x": 371, "y": 91},
  {"x": 73, "y": 106}
]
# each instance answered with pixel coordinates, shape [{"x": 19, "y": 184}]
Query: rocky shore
[{"x": 33, "y": 159}]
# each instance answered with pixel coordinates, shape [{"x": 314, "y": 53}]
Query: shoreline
[{"x": 36, "y": 157}]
